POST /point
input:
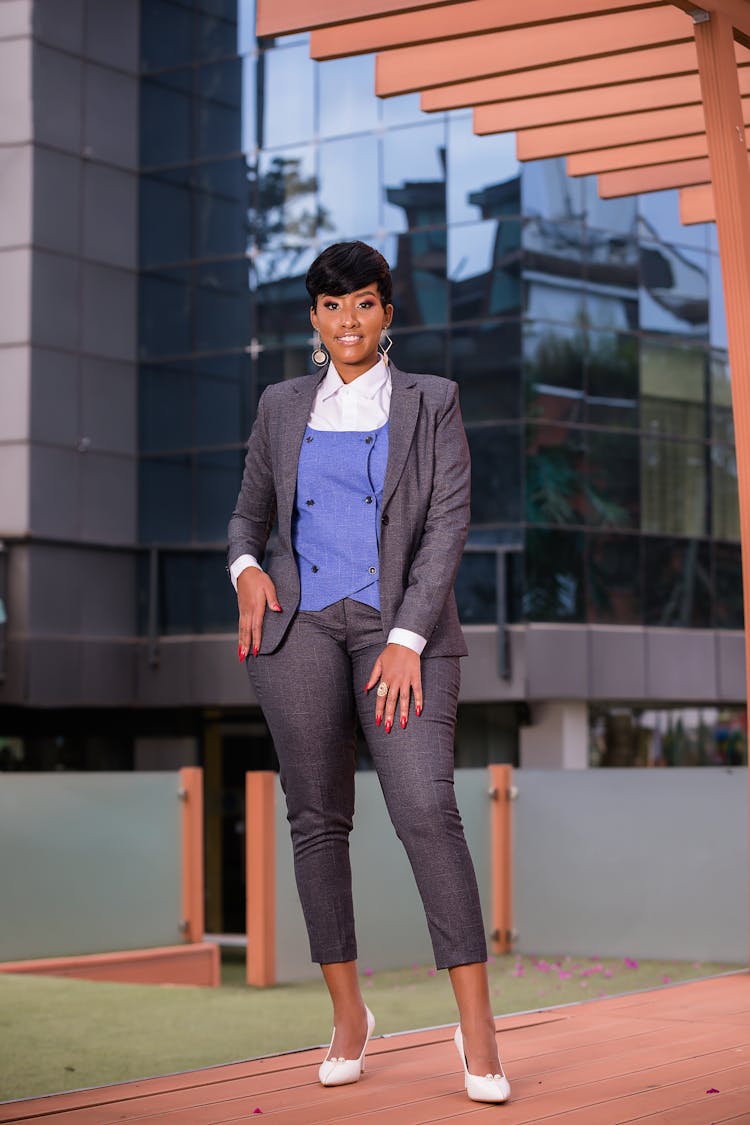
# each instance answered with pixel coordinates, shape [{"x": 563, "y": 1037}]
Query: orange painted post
[
  {"x": 501, "y": 858},
  {"x": 730, "y": 174},
  {"x": 697, "y": 204},
  {"x": 191, "y": 794},
  {"x": 260, "y": 844}
]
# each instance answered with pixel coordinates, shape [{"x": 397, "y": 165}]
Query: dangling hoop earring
[
  {"x": 386, "y": 343},
  {"x": 320, "y": 356}
]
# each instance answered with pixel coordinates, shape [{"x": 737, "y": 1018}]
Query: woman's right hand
[{"x": 255, "y": 591}]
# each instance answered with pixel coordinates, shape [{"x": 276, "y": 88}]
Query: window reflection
[
  {"x": 216, "y": 32},
  {"x": 282, "y": 302},
  {"x": 166, "y": 35},
  {"x": 350, "y": 202},
  {"x": 165, "y": 404},
  {"x": 612, "y": 379},
  {"x": 222, "y": 306},
  {"x": 611, "y": 485},
  {"x": 220, "y": 200},
  {"x": 611, "y": 271},
  {"x": 673, "y": 390},
  {"x": 669, "y": 736},
  {"x": 165, "y": 308},
  {"x": 718, "y": 325},
  {"x": 218, "y": 106},
  {"x": 421, "y": 351},
  {"x": 222, "y": 400},
  {"x": 476, "y": 589},
  {"x": 677, "y": 582},
  {"x": 414, "y": 177},
  {"x": 346, "y": 101},
  {"x": 285, "y": 214},
  {"x": 484, "y": 266},
  {"x": 217, "y": 480},
  {"x": 728, "y": 609},
  {"x": 167, "y": 517},
  {"x": 614, "y": 586},
  {"x": 554, "y": 358},
  {"x": 660, "y": 211},
  {"x": 554, "y": 588},
  {"x": 555, "y": 474},
  {"x": 673, "y": 486},
  {"x": 548, "y": 193},
  {"x": 165, "y": 217},
  {"x": 275, "y": 364},
  {"x": 674, "y": 288},
  {"x": 286, "y": 96},
  {"x": 418, "y": 263},
  {"x": 496, "y": 474},
  {"x": 725, "y": 506},
  {"x": 166, "y": 118},
  {"x": 483, "y": 174},
  {"x": 722, "y": 422},
  {"x": 485, "y": 362}
]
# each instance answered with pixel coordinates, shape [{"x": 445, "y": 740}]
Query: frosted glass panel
[{"x": 91, "y": 863}]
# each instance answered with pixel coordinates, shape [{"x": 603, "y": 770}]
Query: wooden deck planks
[{"x": 646, "y": 1058}]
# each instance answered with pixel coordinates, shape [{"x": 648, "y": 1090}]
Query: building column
[{"x": 558, "y": 737}]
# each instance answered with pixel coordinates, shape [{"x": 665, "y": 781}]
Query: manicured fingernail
[
  {"x": 388, "y": 725},
  {"x": 403, "y": 722},
  {"x": 277, "y": 607},
  {"x": 378, "y": 720},
  {"x": 419, "y": 709},
  {"x": 240, "y": 653},
  {"x": 255, "y": 650}
]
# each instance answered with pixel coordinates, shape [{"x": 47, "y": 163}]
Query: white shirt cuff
[
  {"x": 240, "y": 564},
  {"x": 408, "y": 639}
]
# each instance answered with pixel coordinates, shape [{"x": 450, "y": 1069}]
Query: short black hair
[{"x": 346, "y": 267}]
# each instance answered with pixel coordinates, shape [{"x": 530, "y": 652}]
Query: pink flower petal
[
  {"x": 368, "y": 972},
  {"x": 665, "y": 979},
  {"x": 630, "y": 963},
  {"x": 432, "y": 972}
]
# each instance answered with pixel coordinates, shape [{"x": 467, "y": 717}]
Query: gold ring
[{"x": 382, "y": 689}]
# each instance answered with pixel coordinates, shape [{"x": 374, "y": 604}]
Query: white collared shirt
[{"x": 363, "y": 404}]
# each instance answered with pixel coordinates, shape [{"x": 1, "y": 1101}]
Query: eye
[
  {"x": 366, "y": 304},
  {"x": 331, "y": 304}
]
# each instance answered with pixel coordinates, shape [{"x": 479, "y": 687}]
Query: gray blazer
[{"x": 424, "y": 517}]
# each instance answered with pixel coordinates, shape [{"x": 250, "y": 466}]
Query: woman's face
[{"x": 350, "y": 328}]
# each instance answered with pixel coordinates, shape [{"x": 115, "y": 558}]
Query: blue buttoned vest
[{"x": 336, "y": 526}]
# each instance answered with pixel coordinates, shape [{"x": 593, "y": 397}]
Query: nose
[{"x": 348, "y": 318}]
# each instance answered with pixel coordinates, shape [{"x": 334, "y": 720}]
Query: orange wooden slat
[
  {"x": 658, "y": 177},
  {"x": 735, "y": 11},
  {"x": 275, "y": 18},
  {"x": 260, "y": 868},
  {"x": 637, "y": 156},
  {"x": 697, "y": 204},
  {"x": 730, "y": 175},
  {"x": 191, "y": 794},
  {"x": 501, "y": 857},
  {"x": 438, "y": 64},
  {"x": 454, "y": 21}
]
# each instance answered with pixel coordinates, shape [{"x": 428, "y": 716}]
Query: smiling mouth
[{"x": 348, "y": 339}]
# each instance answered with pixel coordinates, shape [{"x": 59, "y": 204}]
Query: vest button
[
  {"x": 373, "y": 570},
  {"x": 368, "y": 499},
  {"x": 368, "y": 439},
  {"x": 309, "y": 503},
  {"x": 384, "y": 520},
  {"x": 308, "y": 438},
  {"x": 314, "y": 570}
]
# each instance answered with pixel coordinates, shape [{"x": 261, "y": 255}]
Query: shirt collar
[{"x": 367, "y": 385}]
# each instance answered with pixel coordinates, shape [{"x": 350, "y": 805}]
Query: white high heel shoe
[
  {"x": 490, "y": 1088},
  {"x": 340, "y": 1071}
]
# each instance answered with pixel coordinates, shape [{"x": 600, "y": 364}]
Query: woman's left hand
[{"x": 399, "y": 668}]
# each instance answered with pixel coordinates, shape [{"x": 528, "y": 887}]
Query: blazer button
[
  {"x": 373, "y": 570},
  {"x": 368, "y": 440},
  {"x": 308, "y": 438},
  {"x": 309, "y": 503},
  {"x": 315, "y": 570},
  {"x": 384, "y": 520},
  {"x": 368, "y": 499}
]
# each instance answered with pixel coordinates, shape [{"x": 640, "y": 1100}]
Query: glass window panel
[
  {"x": 484, "y": 268},
  {"x": 165, "y": 405},
  {"x": 674, "y": 736},
  {"x": 673, "y": 390},
  {"x": 222, "y": 306},
  {"x": 249, "y": 124},
  {"x": 286, "y": 214},
  {"x": 349, "y": 188},
  {"x": 614, "y": 587},
  {"x": 677, "y": 582},
  {"x": 722, "y": 421},
  {"x": 215, "y": 599},
  {"x": 218, "y": 124},
  {"x": 347, "y": 99},
  {"x": 216, "y": 32},
  {"x": 553, "y": 581},
  {"x": 659, "y": 215},
  {"x": 166, "y": 34},
  {"x": 286, "y": 99},
  {"x": 165, "y": 218},
  {"x": 401, "y": 110},
  {"x": 414, "y": 177},
  {"x": 673, "y": 487},
  {"x": 486, "y": 364},
  {"x": 418, "y": 264},
  {"x": 718, "y": 319},
  {"x": 549, "y": 193},
  {"x": 495, "y": 474},
  {"x": 476, "y": 589},
  {"x": 283, "y": 304},
  {"x": 674, "y": 290},
  {"x": 613, "y": 220},
  {"x": 165, "y": 308},
  {"x": 246, "y": 40},
  {"x": 276, "y": 364},
  {"x": 421, "y": 351},
  {"x": 165, "y": 499},
  {"x": 484, "y": 177},
  {"x": 611, "y": 271},
  {"x": 176, "y": 593},
  {"x": 220, "y": 200},
  {"x": 612, "y": 379},
  {"x": 611, "y": 486},
  {"x": 554, "y": 362},
  {"x": 554, "y": 275},
  {"x": 725, "y": 506},
  {"x": 166, "y": 118},
  {"x": 728, "y": 609},
  {"x": 222, "y": 400},
  {"x": 555, "y": 474},
  {"x": 217, "y": 483}
]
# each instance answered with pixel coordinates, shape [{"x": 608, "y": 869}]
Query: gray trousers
[{"x": 311, "y": 693}]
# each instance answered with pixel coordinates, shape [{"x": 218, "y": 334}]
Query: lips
[{"x": 348, "y": 340}]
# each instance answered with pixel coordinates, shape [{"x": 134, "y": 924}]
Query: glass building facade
[{"x": 587, "y": 336}]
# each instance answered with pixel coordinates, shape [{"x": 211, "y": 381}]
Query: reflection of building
[{"x": 586, "y": 337}]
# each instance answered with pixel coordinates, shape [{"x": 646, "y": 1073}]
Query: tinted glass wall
[{"x": 586, "y": 336}]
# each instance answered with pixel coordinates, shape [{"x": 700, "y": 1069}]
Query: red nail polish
[
  {"x": 277, "y": 607},
  {"x": 378, "y": 720},
  {"x": 403, "y": 722},
  {"x": 419, "y": 709},
  {"x": 255, "y": 650},
  {"x": 240, "y": 653},
  {"x": 388, "y": 726}
]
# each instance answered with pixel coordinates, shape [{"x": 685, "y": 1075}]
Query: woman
[{"x": 365, "y": 470}]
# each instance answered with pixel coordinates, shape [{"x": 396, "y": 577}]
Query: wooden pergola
[{"x": 646, "y": 95}]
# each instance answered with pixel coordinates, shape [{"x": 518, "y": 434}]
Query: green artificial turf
[{"x": 58, "y": 1034}]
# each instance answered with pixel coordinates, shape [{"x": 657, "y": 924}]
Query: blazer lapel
[
  {"x": 402, "y": 421},
  {"x": 291, "y": 432}
]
